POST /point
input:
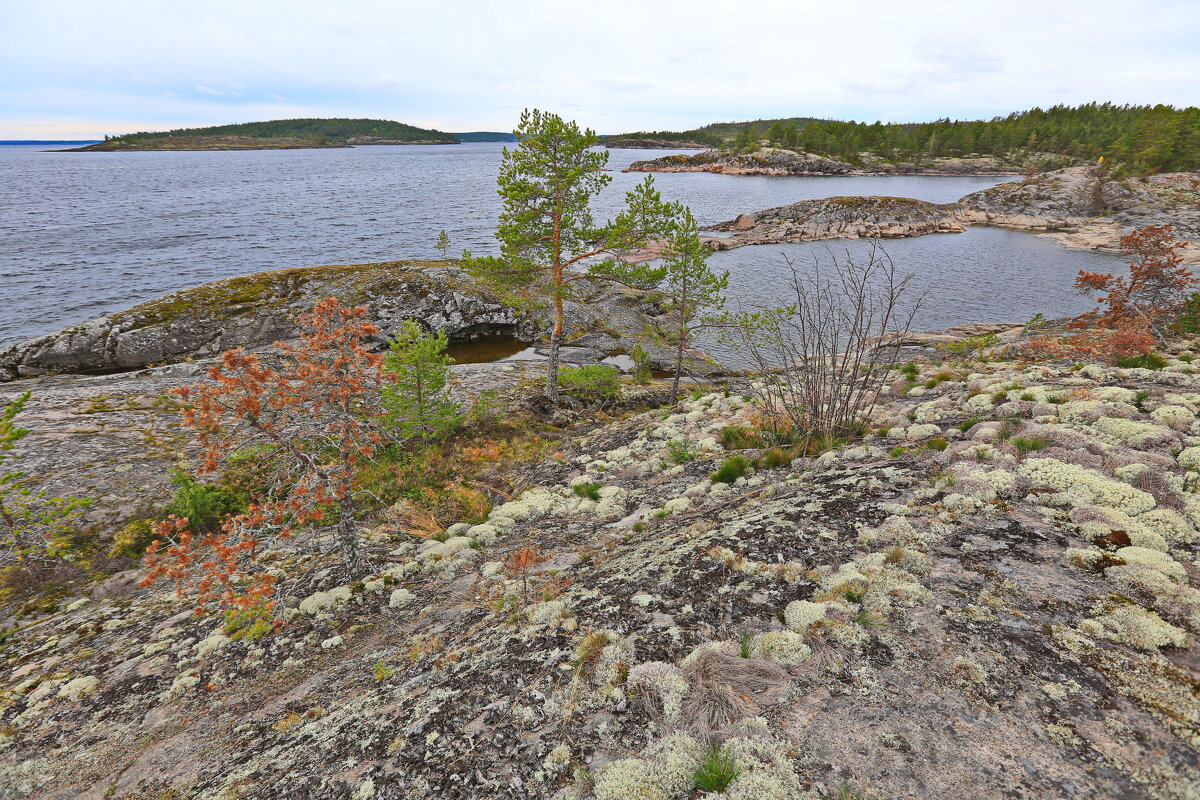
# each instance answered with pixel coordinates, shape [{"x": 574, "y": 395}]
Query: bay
[{"x": 82, "y": 234}]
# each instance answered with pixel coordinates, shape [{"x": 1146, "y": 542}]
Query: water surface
[{"x": 83, "y": 234}]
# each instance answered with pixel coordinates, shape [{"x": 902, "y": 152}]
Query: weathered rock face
[
  {"x": 838, "y": 218},
  {"x": 651, "y": 144},
  {"x": 256, "y": 310},
  {"x": 1089, "y": 211},
  {"x": 764, "y": 162},
  {"x": 935, "y": 612}
]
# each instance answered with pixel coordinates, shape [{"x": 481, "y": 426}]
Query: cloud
[{"x": 633, "y": 65}]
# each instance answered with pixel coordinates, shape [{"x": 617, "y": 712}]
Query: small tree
[
  {"x": 35, "y": 528},
  {"x": 694, "y": 292},
  {"x": 310, "y": 422},
  {"x": 1154, "y": 291},
  {"x": 443, "y": 244},
  {"x": 416, "y": 399},
  {"x": 548, "y": 238}
]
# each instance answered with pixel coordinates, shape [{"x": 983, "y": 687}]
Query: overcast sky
[{"x": 81, "y": 69}]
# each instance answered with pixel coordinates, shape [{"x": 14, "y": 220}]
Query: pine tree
[
  {"x": 416, "y": 399},
  {"x": 548, "y": 238},
  {"x": 695, "y": 293},
  {"x": 443, "y": 244}
]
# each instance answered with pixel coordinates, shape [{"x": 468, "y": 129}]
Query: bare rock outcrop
[
  {"x": 767, "y": 161},
  {"x": 1085, "y": 208},
  {"x": 838, "y": 218},
  {"x": 254, "y": 311}
]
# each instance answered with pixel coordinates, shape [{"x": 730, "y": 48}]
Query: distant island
[
  {"x": 285, "y": 134},
  {"x": 485, "y": 136}
]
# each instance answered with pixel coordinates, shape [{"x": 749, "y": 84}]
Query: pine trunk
[
  {"x": 555, "y": 338},
  {"x": 347, "y": 537}
]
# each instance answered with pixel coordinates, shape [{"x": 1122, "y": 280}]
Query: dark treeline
[
  {"x": 1142, "y": 138},
  {"x": 317, "y": 130}
]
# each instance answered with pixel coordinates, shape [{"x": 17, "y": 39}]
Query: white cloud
[{"x": 474, "y": 64}]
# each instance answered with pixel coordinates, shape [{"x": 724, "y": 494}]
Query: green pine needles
[
  {"x": 416, "y": 399},
  {"x": 549, "y": 240}
]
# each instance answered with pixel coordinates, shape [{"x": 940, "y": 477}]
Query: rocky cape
[
  {"x": 837, "y": 218},
  {"x": 204, "y": 143},
  {"x": 778, "y": 161},
  {"x": 253, "y": 311},
  {"x": 1074, "y": 205},
  {"x": 1084, "y": 207},
  {"x": 650, "y": 144},
  {"x": 938, "y": 610}
]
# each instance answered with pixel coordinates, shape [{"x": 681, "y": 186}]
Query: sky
[{"x": 76, "y": 70}]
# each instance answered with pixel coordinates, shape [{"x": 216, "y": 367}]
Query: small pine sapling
[{"x": 415, "y": 397}]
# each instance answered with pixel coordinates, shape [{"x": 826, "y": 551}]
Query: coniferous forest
[{"x": 1143, "y": 138}]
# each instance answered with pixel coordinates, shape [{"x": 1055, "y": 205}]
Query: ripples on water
[{"x": 83, "y": 234}]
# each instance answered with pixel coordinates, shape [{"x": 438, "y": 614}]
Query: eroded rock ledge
[
  {"x": 763, "y": 162},
  {"x": 1084, "y": 209},
  {"x": 257, "y": 310},
  {"x": 776, "y": 161},
  {"x": 838, "y": 218}
]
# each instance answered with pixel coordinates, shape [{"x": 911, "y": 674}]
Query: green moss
[{"x": 242, "y": 295}]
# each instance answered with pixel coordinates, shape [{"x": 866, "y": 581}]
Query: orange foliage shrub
[
  {"x": 1133, "y": 310},
  {"x": 310, "y": 423}
]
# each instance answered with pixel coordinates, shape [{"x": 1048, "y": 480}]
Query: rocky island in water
[{"x": 289, "y": 134}]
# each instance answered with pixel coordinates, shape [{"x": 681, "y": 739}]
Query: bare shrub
[{"x": 826, "y": 355}]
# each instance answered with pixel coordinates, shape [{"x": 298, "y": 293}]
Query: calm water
[{"x": 82, "y": 234}]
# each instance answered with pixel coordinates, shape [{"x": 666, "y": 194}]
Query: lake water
[{"x": 82, "y": 234}]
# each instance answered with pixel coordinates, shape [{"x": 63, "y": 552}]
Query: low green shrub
[
  {"x": 735, "y": 437},
  {"x": 731, "y": 469},
  {"x": 775, "y": 457},
  {"x": 594, "y": 383},
  {"x": 641, "y": 365},
  {"x": 1029, "y": 444},
  {"x": 681, "y": 451},
  {"x": 1145, "y": 361},
  {"x": 589, "y": 490},
  {"x": 203, "y": 505}
]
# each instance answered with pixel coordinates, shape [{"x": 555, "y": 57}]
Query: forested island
[
  {"x": 1141, "y": 138},
  {"x": 283, "y": 134}
]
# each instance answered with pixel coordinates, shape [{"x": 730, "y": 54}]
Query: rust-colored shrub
[{"x": 310, "y": 423}]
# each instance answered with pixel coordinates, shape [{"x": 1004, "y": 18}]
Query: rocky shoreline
[
  {"x": 1083, "y": 208},
  {"x": 779, "y": 162},
  {"x": 837, "y": 218},
  {"x": 1073, "y": 205},
  {"x": 650, "y": 144},
  {"x": 253, "y": 311}
]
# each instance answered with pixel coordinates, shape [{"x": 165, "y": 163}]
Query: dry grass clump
[{"x": 725, "y": 687}]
